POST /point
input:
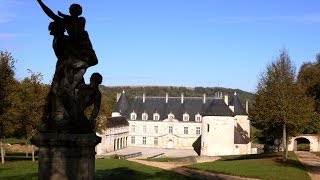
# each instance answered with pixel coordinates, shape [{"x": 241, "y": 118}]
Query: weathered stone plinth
[{"x": 66, "y": 156}]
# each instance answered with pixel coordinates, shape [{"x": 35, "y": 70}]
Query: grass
[
  {"x": 105, "y": 169},
  {"x": 14, "y": 141},
  {"x": 265, "y": 166}
]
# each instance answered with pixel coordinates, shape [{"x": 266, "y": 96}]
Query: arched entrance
[
  {"x": 301, "y": 144},
  {"x": 170, "y": 144}
]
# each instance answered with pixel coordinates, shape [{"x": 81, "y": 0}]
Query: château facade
[{"x": 211, "y": 126}]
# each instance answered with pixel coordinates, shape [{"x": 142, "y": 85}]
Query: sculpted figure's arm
[
  {"x": 48, "y": 11},
  {"x": 96, "y": 108},
  {"x": 63, "y": 15}
]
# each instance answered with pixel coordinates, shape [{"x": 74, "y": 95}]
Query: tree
[
  {"x": 7, "y": 84},
  {"x": 280, "y": 102}
]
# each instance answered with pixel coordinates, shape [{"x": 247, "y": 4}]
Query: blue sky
[{"x": 169, "y": 42}]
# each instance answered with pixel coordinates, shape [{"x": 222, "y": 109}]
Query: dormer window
[
  {"x": 218, "y": 95},
  {"x": 170, "y": 116},
  {"x": 144, "y": 116},
  {"x": 156, "y": 116},
  {"x": 185, "y": 117},
  {"x": 133, "y": 116},
  {"x": 198, "y": 118}
]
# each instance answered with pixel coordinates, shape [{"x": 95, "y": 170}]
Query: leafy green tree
[
  {"x": 7, "y": 84},
  {"x": 281, "y": 106}
]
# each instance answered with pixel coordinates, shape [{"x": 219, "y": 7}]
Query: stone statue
[{"x": 64, "y": 111}]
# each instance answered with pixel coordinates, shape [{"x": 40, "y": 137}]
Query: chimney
[
  {"x": 247, "y": 106},
  {"x": 226, "y": 99},
  {"x": 167, "y": 97},
  {"x": 118, "y": 96},
  {"x": 144, "y": 97},
  {"x": 204, "y": 98},
  {"x": 182, "y": 98}
]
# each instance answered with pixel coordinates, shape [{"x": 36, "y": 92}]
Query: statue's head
[
  {"x": 96, "y": 78},
  {"x": 75, "y": 10}
]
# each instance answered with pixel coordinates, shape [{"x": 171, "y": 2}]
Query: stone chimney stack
[
  {"x": 204, "y": 98},
  {"x": 144, "y": 97},
  {"x": 182, "y": 98},
  {"x": 167, "y": 97},
  {"x": 226, "y": 99},
  {"x": 247, "y": 106}
]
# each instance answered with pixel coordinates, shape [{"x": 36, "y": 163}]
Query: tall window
[
  {"x": 144, "y": 128},
  {"x": 133, "y": 139},
  {"x": 144, "y": 140},
  {"x": 198, "y": 117},
  {"x": 198, "y": 132},
  {"x": 156, "y": 116},
  {"x": 185, "y": 117},
  {"x": 155, "y": 141},
  {"x": 170, "y": 129},
  {"x": 144, "y": 116},
  {"x": 133, "y": 128},
  {"x": 208, "y": 127},
  {"x": 156, "y": 129},
  {"x": 133, "y": 116},
  {"x": 185, "y": 130}
]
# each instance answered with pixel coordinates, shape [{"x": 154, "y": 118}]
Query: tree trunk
[
  {"x": 2, "y": 155},
  {"x": 27, "y": 154},
  {"x": 284, "y": 138},
  {"x": 32, "y": 152}
]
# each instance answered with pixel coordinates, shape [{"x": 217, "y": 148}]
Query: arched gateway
[{"x": 304, "y": 142}]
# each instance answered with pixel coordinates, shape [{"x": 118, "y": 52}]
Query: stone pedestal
[{"x": 66, "y": 156}]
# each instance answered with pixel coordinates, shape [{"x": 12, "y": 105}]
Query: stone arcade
[{"x": 211, "y": 126}]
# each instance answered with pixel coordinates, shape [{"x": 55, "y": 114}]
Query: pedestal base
[{"x": 66, "y": 156}]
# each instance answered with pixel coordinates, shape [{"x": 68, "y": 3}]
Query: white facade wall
[
  {"x": 177, "y": 139},
  {"x": 217, "y": 136}
]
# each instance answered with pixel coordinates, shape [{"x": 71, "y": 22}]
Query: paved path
[
  {"x": 197, "y": 174},
  {"x": 311, "y": 162}
]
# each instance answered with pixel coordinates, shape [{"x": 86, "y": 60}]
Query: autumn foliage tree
[
  {"x": 7, "y": 86},
  {"x": 281, "y": 107}
]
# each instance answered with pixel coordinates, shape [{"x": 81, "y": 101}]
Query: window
[
  {"x": 155, "y": 141},
  {"x": 133, "y": 139},
  {"x": 144, "y": 128},
  {"x": 155, "y": 129},
  {"x": 170, "y": 116},
  {"x": 144, "y": 140},
  {"x": 198, "y": 132},
  {"x": 133, "y": 128},
  {"x": 170, "y": 129},
  {"x": 185, "y": 130},
  {"x": 144, "y": 116},
  {"x": 133, "y": 116},
  {"x": 156, "y": 116},
  {"x": 198, "y": 117},
  {"x": 208, "y": 127},
  {"x": 185, "y": 117}
]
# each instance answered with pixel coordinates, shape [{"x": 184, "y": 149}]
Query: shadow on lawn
[
  {"x": 289, "y": 163},
  {"x": 19, "y": 177},
  {"x": 250, "y": 156},
  {"x": 126, "y": 173}
]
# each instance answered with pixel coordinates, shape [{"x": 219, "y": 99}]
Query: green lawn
[
  {"x": 105, "y": 169},
  {"x": 266, "y": 166}
]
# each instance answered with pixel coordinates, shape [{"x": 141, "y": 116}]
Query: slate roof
[
  {"x": 217, "y": 107},
  {"x": 117, "y": 121},
  {"x": 122, "y": 104},
  {"x": 238, "y": 108}
]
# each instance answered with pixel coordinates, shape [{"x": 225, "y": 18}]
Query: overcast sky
[{"x": 169, "y": 42}]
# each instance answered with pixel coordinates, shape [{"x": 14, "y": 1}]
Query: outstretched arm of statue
[
  {"x": 96, "y": 108},
  {"x": 48, "y": 11},
  {"x": 62, "y": 15}
]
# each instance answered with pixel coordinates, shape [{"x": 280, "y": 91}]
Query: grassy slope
[
  {"x": 105, "y": 169},
  {"x": 258, "y": 166}
]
